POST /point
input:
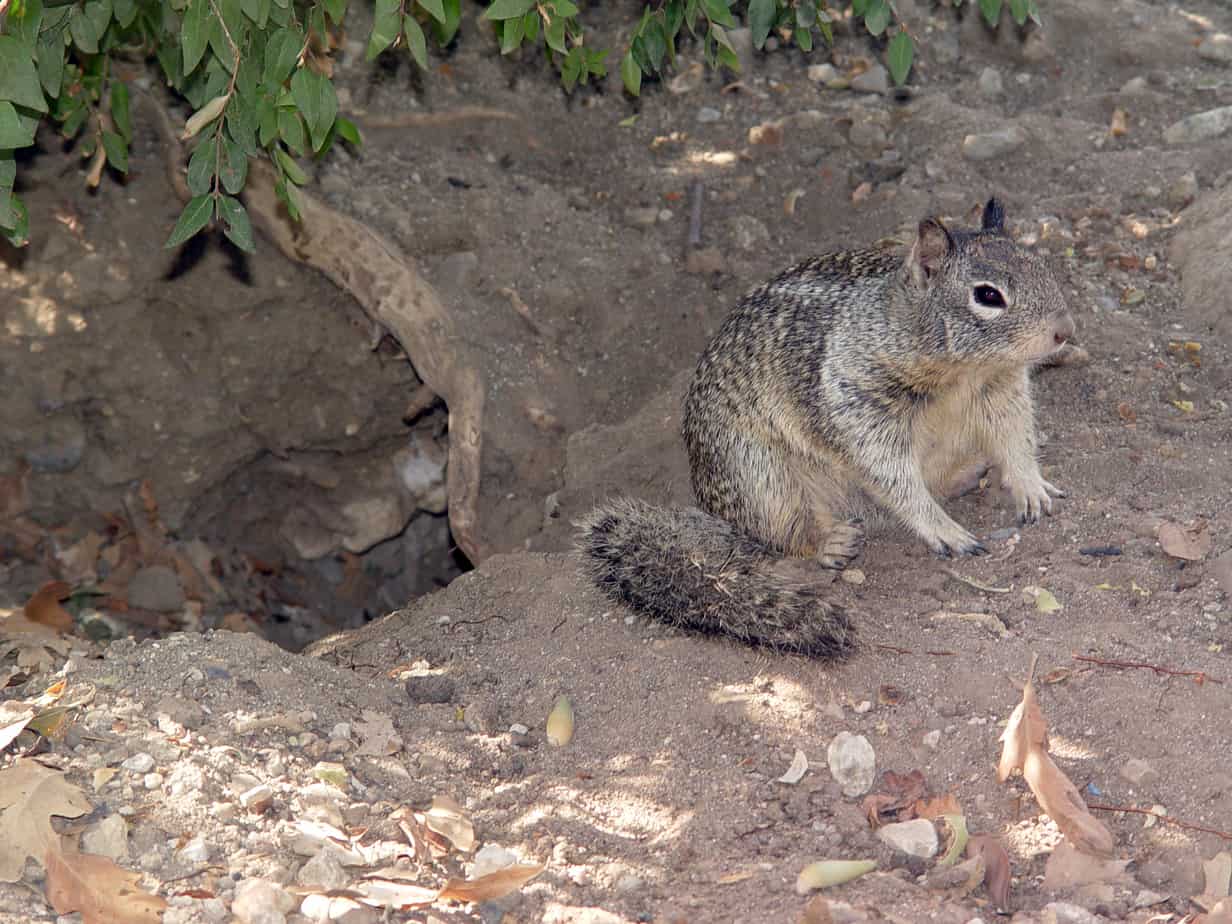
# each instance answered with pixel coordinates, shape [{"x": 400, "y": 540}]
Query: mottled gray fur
[{"x": 853, "y": 380}]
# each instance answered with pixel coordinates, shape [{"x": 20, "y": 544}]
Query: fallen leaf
[
  {"x": 732, "y": 878},
  {"x": 492, "y": 886},
  {"x": 78, "y": 561},
  {"x": 795, "y": 773},
  {"x": 1070, "y": 868},
  {"x": 1191, "y": 543},
  {"x": 1126, "y": 412},
  {"x": 1062, "y": 802},
  {"x": 1045, "y": 601},
  {"x": 29, "y": 795},
  {"x": 449, "y": 820},
  {"x": 44, "y": 607},
  {"x": 1218, "y": 872},
  {"x": 1026, "y": 729},
  {"x": 1183, "y": 405},
  {"x": 14, "y": 717},
  {"x": 896, "y": 799},
  {"x": 377, "y": 735},
  {"x": 103, "y": 892},
  {"x": 1120, "y": 123},
  {"x": 937, "y": 806},
  {"x": 383, "y": 892},
  {"x": 826, "y": 873},
  {"x": 996, "y": 867},
  {"x": 956, "y": 834},
  {"x": 35, "y": 644},
  {"x": 560, "y": 722}
]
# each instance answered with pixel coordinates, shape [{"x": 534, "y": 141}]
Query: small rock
[
  {"x": 987, "y": 145},
  {"x": 1201, "y": 126},
  {"x": 152, "y": 781},
  {"x": 1138, "y": 771},
  {"x": 868, "y": 136},
  {"x": 742, "y": 42},
  {"x": 195, "y": 851},
  {"x": 1134, "y": 86},
  {"x": 916, "y": 838},
  {"x": 491, "y": 858},
  {"x": 139, "y": 763},
  {"x": 641, "y": 217},
  {"x": 1066, "y": 913},
  {"x": 1183, "y": 191},
  {"x": 481, "y": 717},
  {"x": 853, "y": 763},
  {"x": 337, "y": 909},
  {"x": 108, "y": 838},
  {"x": 704, "y": 261},
  {"x": 431, "y": 688},
  {"x": 324, "y": 871},
  {"x": 1217, "y": 48},
  {"x": 157, "y": 588},
  {"x": 258, "y": 901},
  {"x": 990, "y": 83},
  {"x": 749, "y": 233},
  {"x": 628, "y": 884},
  {"x": 708, "y": 114},
  {"x": 56, "y": 444},
  {"x": 874, "y": 80},
  {"x": 822, "y": 73},
  {"x": 341, "y": 731},
  {"x": 945, "y": 46},
  {"x": 258, "y": 799},
  {"x": 932, "y": 739}
]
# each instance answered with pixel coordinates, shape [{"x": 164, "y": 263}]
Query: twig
[
  {"x": 911, "y": 651},
  {"x": 1200, "y": 677},
  {"x": 695, "y": 214},
  {"x": 1188, "y": 826},
  {"x": 978, "y": 585}
]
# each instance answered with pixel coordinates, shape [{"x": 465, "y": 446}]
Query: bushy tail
[{"x": 688, "y": 569}]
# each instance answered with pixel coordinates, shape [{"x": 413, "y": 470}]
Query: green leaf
[
  {"x": 899, "y": 55},
  {"x": 290, "y": 167},
  {"x": 877, "y": 17},
  {"x": 991, "y": 10},
  {"x": 717, "y": 11},
  {"x": 530, "y": 26},
  {"x": 291, "y": 129},
  {"x": 348, "y": 131},
  {"x": 50, "y": 53},
  {"x": 119, "y": 110},
  {"x": 507, "y": 9},
  {"x": 317, "y": 102},
  {"x": 336, "y": 10},
  {"x": 445, "y": 31},
  {"x": 24, "y": 22},
  {"x": 859, "y": 7},
  {"x": 195, "y": 34},
  {"x": 804, "y": 38},
  {"x": 19, "y": 79},
  {"x": 8, "y": 169},
  {"x": 512, "y": 32},
  {"x": 288, "y": 197},
  {"x": 117, "y": 151},
  {"x": 554, "y": 35},
  {"x": 571, "y": 69},
  {"x": 386, "y": 27},
  {"x": 806, "y": 14},
  {"x": 196, "y": 215},
  {"x": 242, "y": 123},
  {"x": 125, "y": 12},
  {"x": 434, "y": 8},
  {"x": 564, "y": 8},
  {"x": 81, "y": 28},
  {"x": 761, "y": 18},
  {"x": 415, "y": 42},
  {"x": 235, "y": 223},
  {"x": 201, "y": 168},
  {"x": 631, "y": 74},
  {"x": 267, "y": 121},
  {"x": 281, "y": 53},
  {"x": 17, "y": 232},
  {"x": 99, "y": 14},
  {"x": 16, "y": 130},
  {"x": 1020, "y": 10},
  {"x": 234, "y": 167}
]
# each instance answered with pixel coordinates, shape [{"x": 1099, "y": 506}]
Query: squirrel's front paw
[
  {"x": 956, "y": 543},
  {"x": 1033, "y": 497}
]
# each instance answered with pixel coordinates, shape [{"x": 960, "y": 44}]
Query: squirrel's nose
[{"x": 1064, "y": 329}]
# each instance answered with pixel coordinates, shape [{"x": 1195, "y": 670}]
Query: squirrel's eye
[{"x": 989, "y": 297}]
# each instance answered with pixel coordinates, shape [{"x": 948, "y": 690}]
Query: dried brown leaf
[
  {"x": 1025, "y": 729},
  {"x": 450, "y": 820},
  {"x": 29, "y": 795},
  {"x": 936, "y": 807},
  {"x": 1060, "y": 799},
  {"x": 492, "y": 886},
  {"x": 895, "y": 800},
  {"x": 1069, "y": 868},
  {"x": 14, "y": 717},
  {"x": 103, "y": 892},
  {"x": 996, "y": 867},
  {"x": 44, "y": 607},
  {"x": 1191, "y": 543}
]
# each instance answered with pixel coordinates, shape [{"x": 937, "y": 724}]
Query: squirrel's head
[{"x": 983, "y": 295}]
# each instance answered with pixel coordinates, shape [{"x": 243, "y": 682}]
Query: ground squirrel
[{"x": 852, "y": 381}]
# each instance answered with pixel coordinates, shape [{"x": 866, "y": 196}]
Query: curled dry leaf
[
  {"x": 44, "y": 607},
  {"x": 996, "y": 867},
  {"x": 103, "y": 892},
  {"x": 29, "y": 795},
  {"x": 14, "y": 717},
  {"x": 450, "y": 820},
  {"x": 937, "y": 807},
  {"x": 1045, "y": 601},
  {"x": 1120, "y": 123},
  {"x": 1191, "y": 543},
  {"x": 956, "y": 834},
  {"x": 1060, "y": 799},
  {"x": 492, "y": 886},
  {"x": 826, "y": 873},
  {"x": 799, "y": 767}
]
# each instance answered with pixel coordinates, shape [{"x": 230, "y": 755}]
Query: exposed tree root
[{"x": 392, "y": 293}]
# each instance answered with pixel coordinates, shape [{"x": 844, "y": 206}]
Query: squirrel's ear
[
  {"x": 994, "y": 216},
  {"x": 932, "y": 246}
]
